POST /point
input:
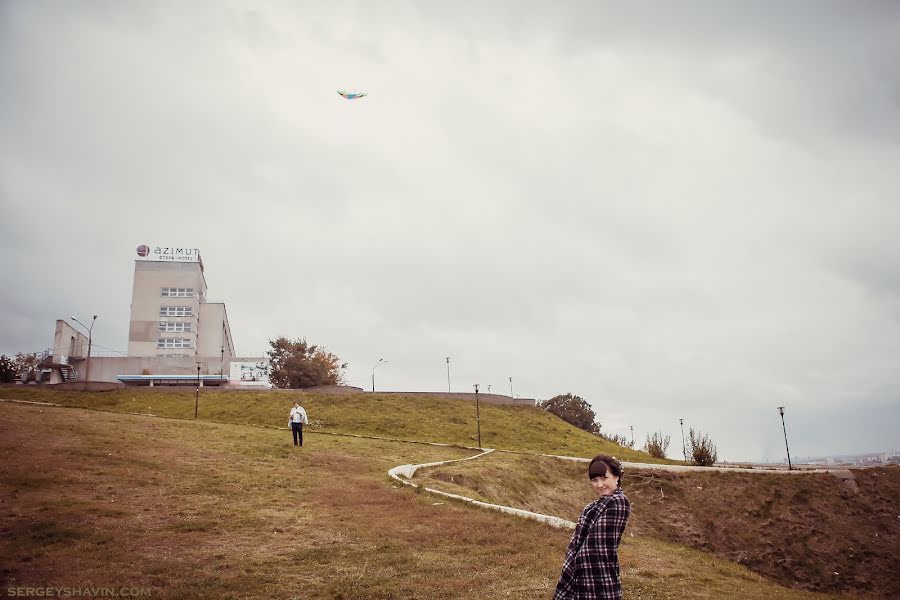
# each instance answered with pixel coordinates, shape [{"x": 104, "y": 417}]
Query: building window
[
  {"x": 174, "y": 343},
  {"x": 178, "y": 292},
  {"x": 174, "y": 326},
  {"x": 176, "y": 311}
]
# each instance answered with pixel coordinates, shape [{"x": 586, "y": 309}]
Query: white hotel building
[{"x": 173, "y": 330}]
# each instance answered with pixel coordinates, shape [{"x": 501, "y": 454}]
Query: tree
[
  {"x": 574, "y": 410},
  {"x": 8, "y": 369},
  {"x": 657, "y": 444},
  {"x": 703, "y": 451},
  {"x": 27, "y": 366},
  {"x": 296, "y": 364}
]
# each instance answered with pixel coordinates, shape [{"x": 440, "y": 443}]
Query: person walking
[
  {"x": 591, "y": 568},
  {"x": 296, "y": 422}
]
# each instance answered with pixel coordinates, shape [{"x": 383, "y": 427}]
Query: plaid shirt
[{"x": 591, "y": 568}]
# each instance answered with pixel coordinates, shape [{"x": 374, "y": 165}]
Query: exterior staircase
[{"x": 68, "y": 373}]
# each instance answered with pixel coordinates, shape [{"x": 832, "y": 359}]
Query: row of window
[
  {"x": 176, "y": 311},
  {"x": 178, "y": 292},
  {"x": 174, "y": 343},
  {"x": 174, "y": 326}
]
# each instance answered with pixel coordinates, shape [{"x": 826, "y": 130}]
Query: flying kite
[{"x": 351, "y": 95}]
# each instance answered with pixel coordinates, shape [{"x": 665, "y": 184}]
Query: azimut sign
[{"x": 167, "y": 253}]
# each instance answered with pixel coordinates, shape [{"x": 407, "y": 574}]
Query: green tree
[
  {"x": 295, "y": 364},
  {"x": 701, "y": 448},
  {"x": 8, "y": 369},
  {"x": 574, "y": 410}
]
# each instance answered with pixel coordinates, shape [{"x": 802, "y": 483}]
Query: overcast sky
[{"x": 674, "y": 210}]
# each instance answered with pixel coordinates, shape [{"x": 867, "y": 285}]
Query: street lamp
[
  {"x": 477, "y": 415},
  {"x": 87, "y": 367},
  {"x": 683, "y": 447},
  {"x": 781, "y": 412},
  {"x": 197, "y": 398},
  {"x": 448, "y": 374},
  {"x": 380, "y": 361}
]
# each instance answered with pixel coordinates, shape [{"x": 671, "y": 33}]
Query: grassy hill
[
  {"x": 419, "y": 418},
  {"x": 202, "y": 509}
]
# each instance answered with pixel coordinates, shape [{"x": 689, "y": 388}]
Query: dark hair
[{"x": 602, "y": 463}]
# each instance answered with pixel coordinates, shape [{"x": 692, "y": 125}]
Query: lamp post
[
  {"x": 781, "y": 412},
  {"x": 380, "y": 361},
  {"x": 683, "y": 447},
  {"x": 197, "y": 397},
  {"x": 510, "y": 388},
  {"x": 87, "y": 366},
  {"x": 448, "y": 374},
  {"x": 477, "y": 415}
]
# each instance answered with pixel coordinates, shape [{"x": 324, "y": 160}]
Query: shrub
[
  {"x": 703, "y": 451},
  {"x": 7, "y": 369},
  {"x": 618, "y": 439},
  {"x": 657, "y": 444}
]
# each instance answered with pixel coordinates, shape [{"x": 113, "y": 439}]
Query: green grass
[{"x": 419, "y": 418}]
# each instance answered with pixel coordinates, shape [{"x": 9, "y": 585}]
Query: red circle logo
[{"x": 143, "y": 250}]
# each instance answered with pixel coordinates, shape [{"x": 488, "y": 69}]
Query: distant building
[{"x": 173, "y": 330}]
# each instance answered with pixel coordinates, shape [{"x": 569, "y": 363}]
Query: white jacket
[{"x": 298, "y": 415}]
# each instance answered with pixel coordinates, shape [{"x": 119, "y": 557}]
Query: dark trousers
[{"x": 297, "y": 430}]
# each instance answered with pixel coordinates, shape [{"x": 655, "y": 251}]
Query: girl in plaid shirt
[{"x": 591, "y": 568}]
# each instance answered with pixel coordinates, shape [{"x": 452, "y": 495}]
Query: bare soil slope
[{"x": 806, "y": 531}]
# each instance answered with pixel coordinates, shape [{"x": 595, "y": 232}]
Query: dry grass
[
  {"x": 808, "y": 531},
  {"x": 208, "y": 510}
]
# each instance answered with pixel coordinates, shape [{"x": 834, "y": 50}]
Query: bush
[
  {"x": 8, "y": 369},
  {"x": 657, "y": 444},
  {"x": 703, "y": 451},
  {"x": 618, "y": 439}
]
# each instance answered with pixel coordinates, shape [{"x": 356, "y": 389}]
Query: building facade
[{"x": 175, "y": 335}]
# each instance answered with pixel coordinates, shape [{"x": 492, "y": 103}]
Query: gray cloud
[{"x": 674, "y": 212}]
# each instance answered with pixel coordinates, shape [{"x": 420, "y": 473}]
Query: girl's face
[{"x": 605, "y": 485}]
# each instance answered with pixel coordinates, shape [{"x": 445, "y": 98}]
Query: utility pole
[
  {"x": 510, "y": 388},
  {"x": 448, "y": 374},
  {"x": 683, "y": 447},
  {"x": 477, "y": 415},
  {"x": 781, "y": 412}
]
